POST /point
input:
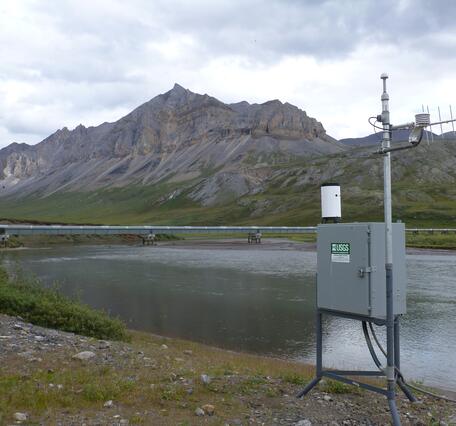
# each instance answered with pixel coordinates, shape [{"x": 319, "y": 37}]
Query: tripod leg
[
  {"x": 394, "y": 413},
  {"x": 397, "y": 361},
  {"x": 315, "y": 381},
  {"x": 312, "y": 384}
]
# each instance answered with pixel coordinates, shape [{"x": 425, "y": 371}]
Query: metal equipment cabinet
[{"x": 351, "y": 269}]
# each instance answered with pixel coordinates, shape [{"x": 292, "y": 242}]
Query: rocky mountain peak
[
  {"x": 178, "y": 95},
  {"x": 177, "y": 88},
  {"x": 176, "y": 133}
]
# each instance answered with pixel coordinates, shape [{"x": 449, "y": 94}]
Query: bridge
[
  {"x": 152, "y": 229},
  {"x": 148, "y": 232},
  {"x": 147, "y": 229}
]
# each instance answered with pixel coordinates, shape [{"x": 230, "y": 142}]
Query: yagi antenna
[
  {"x": 452, "y": 122},
  {"x": 440, "y": 119},
  {"x": 430, "y": 126},
  {"x": 416, "y": 128},
  {"x": 427, "y": 133}
]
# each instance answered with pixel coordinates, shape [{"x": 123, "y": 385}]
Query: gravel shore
[{"x": 49, "y": 377}]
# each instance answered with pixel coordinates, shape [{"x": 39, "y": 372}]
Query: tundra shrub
[{"x": 48, "y": 308}]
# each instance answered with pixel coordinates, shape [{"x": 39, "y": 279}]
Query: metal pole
[
  {"x": 319, "y": 344},
  {"x": 319, "y": 356},
  {"x": 397, "y": 361},
  {"x": 386, "y": 143}
]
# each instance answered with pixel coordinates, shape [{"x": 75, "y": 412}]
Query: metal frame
[{"x": 344, "y": 376}]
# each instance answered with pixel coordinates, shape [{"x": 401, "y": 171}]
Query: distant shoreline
[{"x": 229, "y": 243}]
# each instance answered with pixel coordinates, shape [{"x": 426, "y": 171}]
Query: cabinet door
[{"x": 343, "y": 259}]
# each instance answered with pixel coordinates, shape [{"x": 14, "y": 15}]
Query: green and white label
[{"x": 340, "y": 252}]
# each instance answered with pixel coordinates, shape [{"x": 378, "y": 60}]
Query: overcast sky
[{"x": 67, "y": 62}]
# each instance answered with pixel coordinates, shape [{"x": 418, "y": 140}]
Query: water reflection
[{"x": 259, "y": 301}]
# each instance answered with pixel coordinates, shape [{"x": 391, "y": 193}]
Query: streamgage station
[{"x": 361, "y": 273}]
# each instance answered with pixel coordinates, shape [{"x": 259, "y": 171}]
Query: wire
[
  {"x": 373, "y": 124},
  {"x": 399, "y": 374},
  {"x": 374, "y": 335},
  {"x": 427, "y": 392},
  {"x": 370, "y": 347}
]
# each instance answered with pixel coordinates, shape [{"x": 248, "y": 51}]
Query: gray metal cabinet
[{"x": 351, "y": 268}]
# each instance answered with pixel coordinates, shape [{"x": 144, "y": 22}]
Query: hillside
[
  {"x": 177, "y": 136},
  {"x": 185, "y": 158}
]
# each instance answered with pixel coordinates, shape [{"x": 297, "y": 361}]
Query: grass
[
  {"x": 25, "y": 297},
  {"x": 51, "y": 240},
  {"x": 239, "y": 382},
  {"x": 336, "y": 387},
  {"x": 432, "y": 241},
  {"x": 135, "y": 387},
  {"x": 422, "y": 197}
]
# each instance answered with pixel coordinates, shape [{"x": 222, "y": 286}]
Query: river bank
[
  {"x": 422, "y": 240},
  {"x": 306, "y": 243},
  {"x": 248, "y": 298},
  {"x": 53, "y": 377}
]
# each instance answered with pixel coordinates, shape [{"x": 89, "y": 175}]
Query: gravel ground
[{"x": 49, "y": 377}]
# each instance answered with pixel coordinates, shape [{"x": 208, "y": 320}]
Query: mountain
[
  {"x": 184, "y": 158},
  {"x": 178, "y": 135}
]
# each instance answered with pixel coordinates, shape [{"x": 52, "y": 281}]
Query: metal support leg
[
  {"x": 397, "y": 361},
  {"x": 390, "y": 351},
  {"x": 319, "y": 356},
  {"x": 309, "y": 387},
  {"x": 397, "y": 347},
  {"x": 394, "y": 413}
]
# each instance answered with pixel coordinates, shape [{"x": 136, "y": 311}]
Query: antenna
[
  {"x": 452, "y": 122},
  {"x": 432, "y": 133},
  {"x": 440, "y": 119},
  {"x": 427, "y": 133}
]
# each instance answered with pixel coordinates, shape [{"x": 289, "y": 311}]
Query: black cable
[
  {"x": 370, "y": 347},
  {"x": 373, "y": 124},
  {"x": 398, "y": 372},
  {"x": 374, "y": 335}
]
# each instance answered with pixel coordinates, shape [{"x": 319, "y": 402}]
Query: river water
[{"x": 251, "y": 299}]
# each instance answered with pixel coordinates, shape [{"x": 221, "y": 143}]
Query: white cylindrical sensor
[{"x": 330, "y": 202}]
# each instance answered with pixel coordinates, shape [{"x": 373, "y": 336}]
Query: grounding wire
[
  {"x": 371, "y": 347},
  {"x": 434, "y": 395},
  {"x": 374, "y": 335},
  {"x": 399, "y": 374}
]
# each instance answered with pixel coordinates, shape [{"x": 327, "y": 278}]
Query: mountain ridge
[
  {"x": 189, "y": 159},
  {"x": 175, "y": 132}
]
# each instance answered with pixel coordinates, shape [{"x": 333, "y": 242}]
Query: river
[{"x": 251, "y": 299}]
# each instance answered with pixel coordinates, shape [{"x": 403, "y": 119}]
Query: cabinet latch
[{"x": 366, "y": 270}]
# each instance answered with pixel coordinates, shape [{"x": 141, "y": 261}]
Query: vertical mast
[{"x": 390, "y": 322}]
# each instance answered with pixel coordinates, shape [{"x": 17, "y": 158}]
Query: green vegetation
[
  {"x": 335, "y": 387},
  {"x": 27, "y": 298},
  {"x": 135, "y": 387},
  {"x": 432, "y": 241},
  {"x": 152, "y": 385},
  {"x": 423, "y": 195},
  {"x": 51, "y": 240}
]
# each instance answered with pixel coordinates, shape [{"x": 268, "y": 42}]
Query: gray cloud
[{"x": 65, "y": 62}]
